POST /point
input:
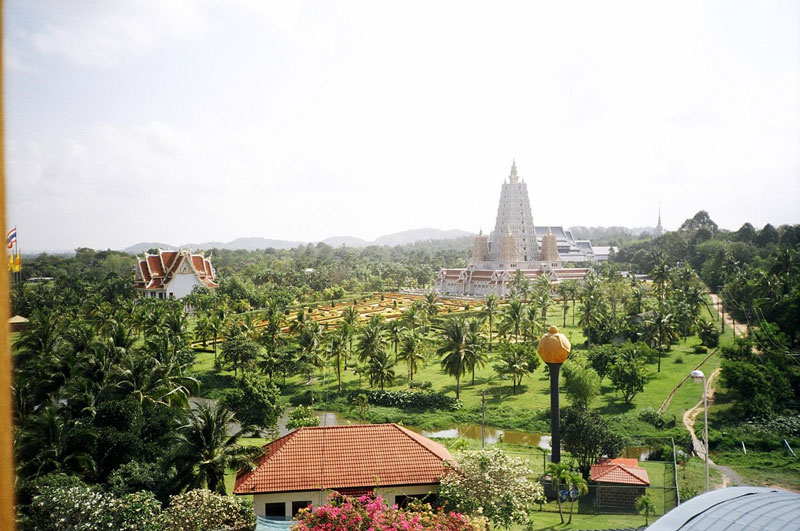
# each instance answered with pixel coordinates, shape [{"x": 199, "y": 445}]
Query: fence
[{"x": 659, "y": 461}]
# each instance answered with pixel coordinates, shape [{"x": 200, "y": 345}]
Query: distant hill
[
  {"x": 141, "y": 247},
  {"x": 253, "y": 243},
  {"x": 415, "y": 235},
  {"x": 347, "y": 241}
]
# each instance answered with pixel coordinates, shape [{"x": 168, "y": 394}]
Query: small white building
[
  {"x": 305, "y": 466},
  {"x": 172, "y": 274}
]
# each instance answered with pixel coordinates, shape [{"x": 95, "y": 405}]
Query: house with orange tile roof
[
  {"x": 304, "y": 466},
  {"x": 172, "y": 274},
  {"x": 618, "y": 482}
]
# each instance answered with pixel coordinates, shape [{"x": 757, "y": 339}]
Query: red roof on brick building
[
  {"x": 339, "y": 457},
  {"x": 619, "y": 471}
]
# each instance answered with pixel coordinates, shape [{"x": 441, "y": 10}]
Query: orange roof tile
[
  {"x": 154, "y": 265},
  {"x": 621, "y": 471},
  {"x": 197, "y": 263},
  {"x": 337, "y": 457},
  {"x": 168, "y": 258}
]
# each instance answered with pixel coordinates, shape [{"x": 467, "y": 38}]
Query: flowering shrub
[
  {"x": 343, "y": 513},
  {"x": 83, "y": 508},
  {"x": 201, "y": 509},
  {"x": 490, "y": 483}
]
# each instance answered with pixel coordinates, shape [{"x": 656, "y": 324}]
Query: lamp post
[
  {"x": 698, "y": 377},
  {"x": 554, "y": 349}
]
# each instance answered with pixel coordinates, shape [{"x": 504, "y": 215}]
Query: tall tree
[
  {"x": 454, "y": 349},
  {"x": 204, "y": 450}
]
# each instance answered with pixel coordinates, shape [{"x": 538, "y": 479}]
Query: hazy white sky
[{"x": 193, "y": 120}]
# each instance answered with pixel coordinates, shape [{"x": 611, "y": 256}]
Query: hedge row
[{"x": 408, "y": 399}]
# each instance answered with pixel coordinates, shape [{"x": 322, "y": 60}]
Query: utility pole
[{"x": 483, "y": 419}]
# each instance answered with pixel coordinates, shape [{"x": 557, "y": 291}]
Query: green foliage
[
  {"x": 412, "y": 400},
  {"x": 586, "y": 436},
  {"x": 491, "y": 483},
  {"x": 602, "y": 358},
  {"x": 257, "y": 404},
  {"x": 628, "y": 374},
  {"x": 581, "y": 383},
  {"x": 656, "y": 419},
  {"x": 301, "y": 417},
  {"x": 201, "y": 510},
  {"x": 700, "y": 349},
  {"x": 762, "y": 382},
  {"x": 709, "y": 335}
]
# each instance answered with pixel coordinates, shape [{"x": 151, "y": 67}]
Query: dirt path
[{"x": 729, "y": 477}]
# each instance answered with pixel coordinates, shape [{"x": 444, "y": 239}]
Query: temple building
[
  {"x": 516, "y": 244},
  {"x": 172, "y": 274}
]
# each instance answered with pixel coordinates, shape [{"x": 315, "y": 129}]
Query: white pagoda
[{"x": 516, "y": 244}]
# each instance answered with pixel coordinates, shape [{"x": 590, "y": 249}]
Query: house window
[
  {"x": 297, "y": 505},
  {"x": 275, "y": 510},
  {"x": 402, "y": 501}
]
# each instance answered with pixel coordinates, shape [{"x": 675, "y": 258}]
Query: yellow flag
[
  {"x": 11, "y": 262},
  {"x": 17, "y": 264}
]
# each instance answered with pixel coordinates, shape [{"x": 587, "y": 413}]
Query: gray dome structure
[{"x": 735, "y": 509}]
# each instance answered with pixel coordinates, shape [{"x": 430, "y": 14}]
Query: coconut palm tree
[
  {"x": 336, "y": 348},
  {"x": 412, "y": 351},
  {"x": 349, "y": 324},
  {"x": 514, "y": 316},
  {"x": 380, "y": 369},
  {"x": 489, "y": 312},
  {"x": 371, "y": 340},
  {"x": 513, "y": 363},
  {"x": 559, "y": 474},
  {"x": 394, "y": 329},
  {"x": 454, "y": 349},
  {"x": 204, "y": 450},
  {"x": 476, "y": 347},
  {"x": 575, "y": 482},
  {"x": 645, "y": 504}
]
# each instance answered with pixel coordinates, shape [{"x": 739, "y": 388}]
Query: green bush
[
  {"x": 700, "y": 349},
  {"x": 678, "y": 359},
  {"x": 419, "y": 400}
]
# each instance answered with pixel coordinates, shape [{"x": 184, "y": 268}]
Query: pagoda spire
[{"x": 513, "y": 177}]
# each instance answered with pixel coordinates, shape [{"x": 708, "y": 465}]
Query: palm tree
[
  {"x": 559, "y": 473},
  {"x": 349, "y": 323},
  {"x": 646, "y": 505},
  {"x": 204, "y": 450},
  {"x": 412, "y": 351},
  {"x": 371, "y": 340},
  {"x": 563, "y": 291},
  {"x": 335, "y": 350},
  {"x": 514, "y": 316},
  {"x": 513, "y": 363},
  {"x": 308, "y": 340},
  {"x": 543, "y": 293},
  {"x": 575, "y": 481},
  {"x": 454, "y": 350},
  {"x": 394, "y": 328},
  {"x": 476, "y": 355},
  {"x": 380, "y": 369},
  {"x": 489, "y": 312}
]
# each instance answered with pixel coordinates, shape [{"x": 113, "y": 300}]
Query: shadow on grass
[{"x": 616, "y": 406}]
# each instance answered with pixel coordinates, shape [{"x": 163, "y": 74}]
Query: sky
[{"x": 183, "y": 121}]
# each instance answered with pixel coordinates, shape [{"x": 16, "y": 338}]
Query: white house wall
[
  {"x": 317, "y": 497},
  {"x": 182, "y": 285}
]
